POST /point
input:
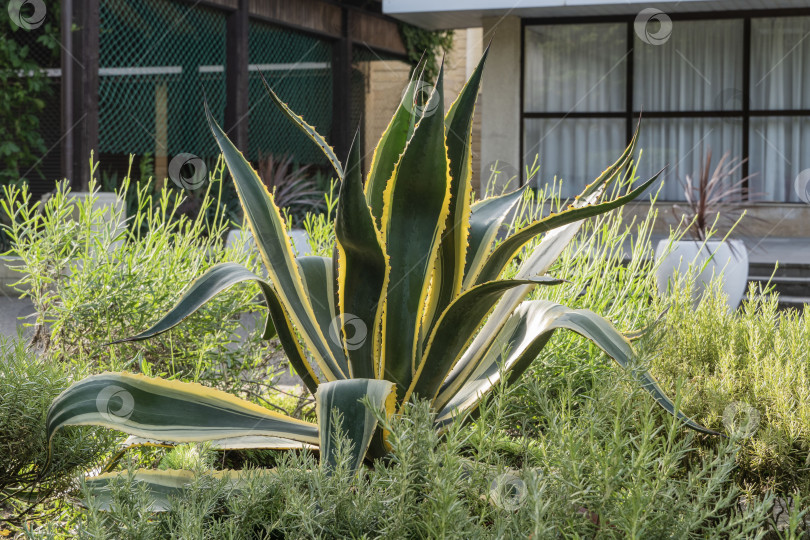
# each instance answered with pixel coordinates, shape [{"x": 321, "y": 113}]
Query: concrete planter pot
[
  {"x": 9, "y": 276},
  {"x": 729, "y": 258}
]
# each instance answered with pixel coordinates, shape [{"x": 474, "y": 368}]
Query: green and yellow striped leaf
[
  {"x": 306, "y": 128},
  {"x": 389, "y": 149},
  {"x": 161, "y": 486},
  {"x": 486, "y": 219},
  {"x": 416, "y": 207},
  {"x": 168, "y": 411},
  {"x": 270, "y": 231},
  {"x": 455, "y": 329},
  {"x": 523, "y": 337},
  {"x": 320, "y": 285},
  {"x": 358, "y": 422},
  {"x": 215, "y": 280},
  {"x": 453, "y": 251},
  {"x": 506, "y": 250},
  {"x": 362, "y": 274}
]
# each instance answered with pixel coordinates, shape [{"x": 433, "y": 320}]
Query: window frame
[{"x": 629, "y": 114}]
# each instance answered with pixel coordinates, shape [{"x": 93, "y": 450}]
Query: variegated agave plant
[{"x": 415, "y": 274}]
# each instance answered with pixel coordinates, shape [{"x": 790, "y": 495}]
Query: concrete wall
[
  {"x": 500, "y": 137},
  {"x": 765, "y": 220}
]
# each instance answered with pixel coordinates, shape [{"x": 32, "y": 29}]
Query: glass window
[
  {"x": 575, "y": 67},
  {"x": 575, "y": 151},
  {"x": 780, "y": 150},
  {"x": 697, "y": 69},
  {"x": 780, "y": 63},
  {"x": 681, "y": 145}
]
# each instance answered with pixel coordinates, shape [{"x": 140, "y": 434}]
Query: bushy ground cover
[{"x": 575, "y": 449}]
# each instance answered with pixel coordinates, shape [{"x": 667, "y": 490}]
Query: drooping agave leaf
[
  {"x": 215, "y": 280},
  {"x": 168, "y": 411},
  {"x": 247, "y": 442},
  {"x": 306, "y": 128},
  {"x": 416, "y": 208},
  {"x": 455, "y": 328},
  {"x": 389, "y": 149},
  {"x": 358, "y": 422},
  {"x": 506, "y": 250},
  {"x": 161, "y": 486},
  {"x": 486, "y": 219},
  {"x": 539, "y": 261},
  {"x": 362, "y": 274},
  {"x": 274, "y": 243},
  {"x": 452, "y": 253},
  {"x": 523, "y": 337},
  {"x": 320, "y": 287}
]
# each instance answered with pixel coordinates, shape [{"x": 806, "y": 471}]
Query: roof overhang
[{"x": 444, "y": 14}]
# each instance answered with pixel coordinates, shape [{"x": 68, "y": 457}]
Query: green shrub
[
  {"x": 92, "y": 282},
  {"x": 28, "y": 384}
]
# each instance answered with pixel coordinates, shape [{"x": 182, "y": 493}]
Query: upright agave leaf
[{"x": 416, "y": 205}]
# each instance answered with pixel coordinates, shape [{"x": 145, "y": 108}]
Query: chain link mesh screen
[
  {"x": 298, "y": 68},
  {"x": 155, "y": 59}
]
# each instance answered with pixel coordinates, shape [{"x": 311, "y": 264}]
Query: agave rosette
[{"x": 416, "y": 271}]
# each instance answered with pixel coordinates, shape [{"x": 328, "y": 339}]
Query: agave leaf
[
  {"x": 459, "y": 122},
  {"x": 215, "y": 280},
  {"x": 505, "y": 251},
  {"x": 168, "y": 411},
  {"x": 485, "y": 221},
  {"x": 416, "y": 208},
  {"x": 161, "y": 486},
  {"x": 523, "y": 337},
  {"x": 362, "y": 273},
  {"x": 389, "y": 149},
  {"x": 320, "y": 286},
  {"x": 358, "y": 421},
  {"x": 538, "y": 263},
  {"x": 306, "y": 128},
  {"x": 455, "y": 329},
  {"x": 274, "y": 243}
]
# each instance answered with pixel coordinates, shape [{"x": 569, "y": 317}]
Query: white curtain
[
  {"x": 575, "y": 68},
  {"x": 575, "y": 151},
  {"x": 780, "y": 79},
  {"x": 699, "y": 68}
]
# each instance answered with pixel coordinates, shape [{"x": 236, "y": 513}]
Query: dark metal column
[{"x": 236, "y": 76}]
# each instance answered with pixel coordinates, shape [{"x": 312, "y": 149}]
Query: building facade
[{"x": 568, "y": 81}]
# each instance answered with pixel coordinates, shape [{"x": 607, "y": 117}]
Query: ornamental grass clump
[{"x": 409, "y": 305}]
